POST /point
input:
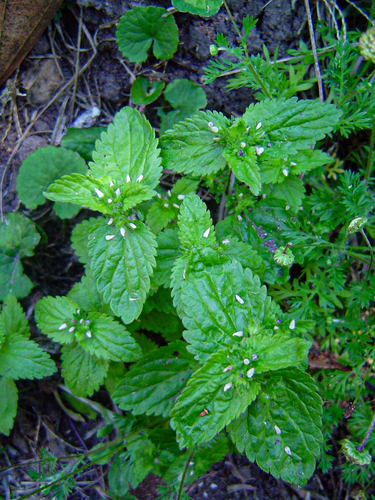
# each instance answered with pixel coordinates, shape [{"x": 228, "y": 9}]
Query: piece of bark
[{"x": 21, "y": 24}]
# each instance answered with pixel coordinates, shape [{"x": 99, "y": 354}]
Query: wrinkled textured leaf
[
  {"x": 190, "y": 147},
  {"x": 8, "y": 407},
  {"x": 205, "y": 391},
  {"x": 214, "y": 311},
  {"x": 204, "y": 8},
  {"x": 54, "y": 317},
  {"x": 168, "y": 251},
  {"x": 140, "y": 27},
  {"x": 123, "y": 266},
  {"x": 85, "y": 293},
  {"x": 195, "y": 224},
  {"x": 18, "y": 237},
  {"x": 153, "y": 384},
  {"x": 83, "y": 373},
  {"x": 245, "y": 167},
  {"x": 291, "y": 191},
  {"x": 129, "y": 148},
  {"x": 42, "y": 168},
  {"x": 281, "y": 429},
  {"x": 12, "y": 319},
  {"x": 245, "y": 255},
  {"x": 108, "y": 339}
]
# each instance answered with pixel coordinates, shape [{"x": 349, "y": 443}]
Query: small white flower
[
  {"x": 118, "y": 192},
  {"x": 81, "y": 321},
  {"x": 88, "y": 334},
  {"x": 63, "y": 326},
  {"x": 214, "y": 129},
  {"x": 225, "y": 242},
  {"x": 109, "y": 200},
  {"x": 278, "y": 430},
  {"x": 206, "y": 233},
  {"x": 110, "y": 183},
  {"x": 71, "y": 329},
  {"x": 122, "y": 232},
  {"x": 180, "y": 196},
  {"x": 250, "y": 372},
  {"x": 110, "y": 221},
  {"x": 258, "y": 126},
  {"x": 133, "y": 226},
  {"x": 238, "y": 298},
  {"x": 169, "y": 192},
  {"x": 109, "y": 237},
  {"x": 166, "y": 205},
  {"x": 128, "y": 178},
  {"x": 158, "y": 195},
  {"x": 243, "y": 144},
  {"x": 259, "y": 150},
  {"x": 140, "y": 178},
  {"x": 78, "y": 311},
  {"x": 293, "y": 163},
  {"x": 132, "y": 298},
  {"x": 246, "y": 361},
  {"x": 264, "y": 196},
  {"x": 237, "y": 334},
  {"x": 287, "y": 451},
  {"x": 191, "y": 473},
  {"x": 239, "y": 218},
  {"x": 275, "y": 327},
  {"x": 292, "y": 324},
  {"x": 287, "y": 207},
  {"x": 184, "y": 274},
  {"x": 227, "y": 386},
  {"x": 176, "y": 206},
  {"x": 210, "y": 124},
  {"x": 99, "y": 193},
  {"x": 285, "y": 172}
]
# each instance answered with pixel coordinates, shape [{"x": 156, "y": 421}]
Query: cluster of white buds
[{"x": 213, "y": 127}]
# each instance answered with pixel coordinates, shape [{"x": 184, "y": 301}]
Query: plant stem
[
  {"x": 314, "y": 51},
  {"x": 371, "y": 253},
  {"x": 185, "y": 472},
  {"x": 368, "y": 434},
  {"x": 247, "y": 59},
  {"x": 369, "y": 159}
]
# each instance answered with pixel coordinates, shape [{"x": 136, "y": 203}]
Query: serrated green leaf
[
  {"x": 153, "y": 384},
  {"x": 168, "y": 251},
  {"x": 115, "y": 374},
  {"x": 291, "y": 191},
  {"x": 147, "y": 345},
  {"x": 123, "y": 265},
  {"x": 281, "y": 430},
  {"x": 82, "y": 140},
  {"x": 221, "y": 301},
  {"x": 83, "y": 373},
  {"x": 80, "y": 238},
  {"x": 244, "y": 253},
  {"x": 78, "y": 188},
  {"x": 160, "y": 322},
  {"x": 41, "y": 169},
  {"x": 186, "y": 97},
  {"x": 8, "y": 407},
  {"x": 127, "y": 148},
  {"x": 195, "y": 223},
  {"x": 12, "y": 319},
  {"x": 23, "y": 358},
  {"x": 18, "y": 237},
  {"x": 140, "y": 27},
  {"x": 190, "y": 146},
  {"x": 302, "y": 122},
  {"x": 144, "y": 91},
  {"x": 184, "y": 186},
  {"x": 209, "y": 402},
  {"x": 130, "y": 468},
  {"x": 245, "y": 166},
  {"x": 204, "y": 8},
  {"x": 56, "y": 317},
  {"x": 161, "y": 213},
  {"x": 66, "y": 210},
  {"x": 108, "y": 339},
  {"x": 177, "y": 277}
]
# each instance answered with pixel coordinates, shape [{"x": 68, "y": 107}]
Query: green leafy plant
[
  {"x": 43, "y": 167},
  {"x": 18, "y": 238},
  {"x": 20, "y": 358}
]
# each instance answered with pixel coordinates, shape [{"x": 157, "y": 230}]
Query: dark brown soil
[{"x": 41, "y": 421}]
